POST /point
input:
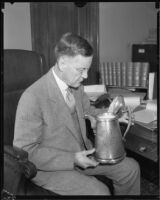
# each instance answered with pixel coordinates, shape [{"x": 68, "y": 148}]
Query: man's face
[{"x": 75, "y": 69}]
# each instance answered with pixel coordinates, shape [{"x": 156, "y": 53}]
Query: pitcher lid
[
  {"x": 117, "y": 105},
  {"x": 106, "y": 116}
]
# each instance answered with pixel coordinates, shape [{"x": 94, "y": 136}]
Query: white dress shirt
[{"x": 61, "y": 84}]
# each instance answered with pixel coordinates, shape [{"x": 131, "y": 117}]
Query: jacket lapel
[
  {"x": 57, "y": 99},
  {"x": 80, "y": 114}
]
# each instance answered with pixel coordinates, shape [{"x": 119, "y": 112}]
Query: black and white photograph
[{"x": 79, "y": 105}]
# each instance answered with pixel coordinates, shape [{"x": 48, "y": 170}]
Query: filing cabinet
[{"x": 146, "y": 53}]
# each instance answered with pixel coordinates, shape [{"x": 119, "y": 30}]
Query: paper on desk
[
  {"x": 125, "y": 93},
  {"x": 144, "y": 116},
  {"x": 147, "y": 115},
  {"x": 94, "y": 91},
  {"x": 132, "y": 101}
]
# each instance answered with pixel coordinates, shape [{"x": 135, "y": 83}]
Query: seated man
[{"x": 50, "y": 126}]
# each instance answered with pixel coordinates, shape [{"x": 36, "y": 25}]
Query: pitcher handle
[
  {"x": 92, "y": 120},
  {"x": 129, "y": 122}
]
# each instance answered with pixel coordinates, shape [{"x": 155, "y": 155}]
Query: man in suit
[{"x": 50, "y": 126}]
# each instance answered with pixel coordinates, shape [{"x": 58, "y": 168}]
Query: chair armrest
[
  {"x": 21, "y": 157},
  {"x": 15, "y": 152}
]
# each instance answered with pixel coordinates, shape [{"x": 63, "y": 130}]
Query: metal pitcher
[{"x": 109, "y": 140}]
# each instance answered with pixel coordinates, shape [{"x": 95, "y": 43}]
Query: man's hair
[{"x": 72, "y": 45}]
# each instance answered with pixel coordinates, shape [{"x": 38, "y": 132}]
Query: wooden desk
[
  {"x": 141, "y": 144},
  {"x": 142, "y": 139}
]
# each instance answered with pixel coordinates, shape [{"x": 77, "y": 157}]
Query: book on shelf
[
  {"x": 106, "y": 75},
  {"x": 118, "y": 73},
  {"x": 110, "y": 73},
  {"x": 136, "y": 74},
  {"x": 144, "y": 74},
  {"x": 129, "y": 74},
  {"x": 124, "y": 74},
  {"x": 114, "y": 73}
]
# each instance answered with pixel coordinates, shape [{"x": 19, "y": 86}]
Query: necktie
[{"x": 70, "y": 100}]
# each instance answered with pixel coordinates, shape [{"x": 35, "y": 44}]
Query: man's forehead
[{"x": 78, "y": 60}]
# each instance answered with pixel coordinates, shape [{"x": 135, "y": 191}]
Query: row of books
[{"x": 125, "y": 74}]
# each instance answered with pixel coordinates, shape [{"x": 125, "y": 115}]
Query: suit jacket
[{"x": 44, "y": 126}]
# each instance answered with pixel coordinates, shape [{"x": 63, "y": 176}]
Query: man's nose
[{"x": 85, "y": 74}]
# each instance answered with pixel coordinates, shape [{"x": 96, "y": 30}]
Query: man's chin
[{"x": 76, "y": 85}]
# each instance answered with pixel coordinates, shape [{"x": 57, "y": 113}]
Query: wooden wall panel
[
  {"x": 39, "y": 28},
  {"x": 61, "y": 20},
  {"x": 88, "y": 27},
  {"x": 50, "y": 20}
]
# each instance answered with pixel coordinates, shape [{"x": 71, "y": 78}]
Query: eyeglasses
[{"x": 81, "y": 70}]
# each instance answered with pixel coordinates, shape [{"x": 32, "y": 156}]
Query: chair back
[{"x": 21, "y": 69}]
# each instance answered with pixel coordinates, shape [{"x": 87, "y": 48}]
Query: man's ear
[{"x": 62, "y": 63}]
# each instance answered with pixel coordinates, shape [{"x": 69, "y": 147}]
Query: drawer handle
[{"x": 142, "y": 149}]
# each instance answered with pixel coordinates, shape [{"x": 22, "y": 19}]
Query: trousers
[{"x": 125, "y": 176}]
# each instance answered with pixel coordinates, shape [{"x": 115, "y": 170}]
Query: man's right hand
[{"x": 82, "y": 159}]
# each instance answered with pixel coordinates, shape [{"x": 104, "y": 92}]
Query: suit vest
[{"x": 77, "y": 126}]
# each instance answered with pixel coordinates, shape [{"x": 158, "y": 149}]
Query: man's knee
[
  {"x": 134, "y": 166},
  {"x": 99, "y": 188},
  {"x": 132, "y": 169}
]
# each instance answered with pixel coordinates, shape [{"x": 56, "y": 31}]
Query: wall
[
  {"x": 121, "y": 25},
  {"x": 17, "y": 28}
]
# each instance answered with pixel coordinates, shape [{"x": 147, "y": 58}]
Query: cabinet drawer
[
  {"x": 143, "y": 132},
  {"x": 141, "y": 146}
]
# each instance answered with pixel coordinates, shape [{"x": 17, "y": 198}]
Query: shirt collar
[{"x": 62, "y": 85}]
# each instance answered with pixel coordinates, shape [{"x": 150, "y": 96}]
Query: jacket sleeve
[{"x": 28, "y": 135}]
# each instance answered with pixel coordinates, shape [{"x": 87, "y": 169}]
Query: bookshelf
[{"x": 127, "y": 75}]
